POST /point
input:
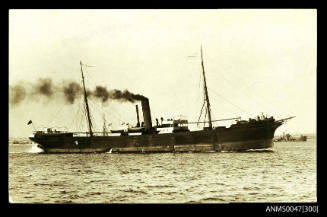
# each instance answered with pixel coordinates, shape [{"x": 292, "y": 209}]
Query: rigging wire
[
  {"x": 253, "y": 99},
  {"x": 95, "y": 104},
  {"x": 228, "y": 101},
  {"x": 76, "y": 117},
  {"x": 81, "y": 126},
  {"x": 201, "y": 112},
  {"x": 244, "y": 91},
  {"x": 221, "y": 97},
  {"x": 205, "y": 116},
  {"x": 227, "y": 107},
  {"x": 79, "y": 118},
  {"x": 54, "y": 118}
]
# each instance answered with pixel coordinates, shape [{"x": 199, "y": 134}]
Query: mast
[
  {"x": 206, "y": 91},
  {"x": 86, "y": 104},
  {"x": 104, "y": 126}
]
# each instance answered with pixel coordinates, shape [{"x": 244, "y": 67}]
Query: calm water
[{"x": 287, "y": 173}]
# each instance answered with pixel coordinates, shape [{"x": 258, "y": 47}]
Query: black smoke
[
  {"x": 72, "y": 91},
  {"x": 125, "y": 96},
  {"x": 17, "y": 94},
  {"x": 44, "y": 87},
  {"x": 68, "y": 90},
  {"x": 101, "y": 93}
]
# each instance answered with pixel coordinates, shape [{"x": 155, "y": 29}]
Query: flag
[{"x": 29, "y": 122}]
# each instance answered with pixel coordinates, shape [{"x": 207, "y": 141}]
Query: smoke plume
[
  {"x": 125, "y": 96},
  {"x": 44, "y": 87},
  {"x": 16, "y": 94},
  {"x": 71, "y": 91},
  {"x": 67, "y": 90},
  {"x": 101, "y": 93}
]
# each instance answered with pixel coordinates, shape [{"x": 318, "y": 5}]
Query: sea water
[{"x": 285, "y": 173}]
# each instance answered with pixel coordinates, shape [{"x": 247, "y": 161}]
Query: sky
[{"x": 255, "y": 61}]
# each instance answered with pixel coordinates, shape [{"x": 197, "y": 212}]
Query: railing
[
  {"x": 49, "y": 132},
  {"x": 226, "y": 119},
  {"x": 87, "y": 134}
]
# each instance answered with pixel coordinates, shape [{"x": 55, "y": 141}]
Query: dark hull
[{"x": 238, "y": 138}]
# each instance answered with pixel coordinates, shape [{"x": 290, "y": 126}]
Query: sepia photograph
[{"x": 163, "y": 106}]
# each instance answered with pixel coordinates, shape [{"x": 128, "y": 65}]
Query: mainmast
[
  {"x": 86, "y": 104},
  {"x": 206, "y": 92}
]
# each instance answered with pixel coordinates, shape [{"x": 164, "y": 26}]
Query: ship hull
[
  {"x": 259, "y": 136},
  {"x": 231, "y": 146}
]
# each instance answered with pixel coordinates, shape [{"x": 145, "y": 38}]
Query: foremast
[
  {"x": 86, "y": 103},
  {"x": 206, "y": 92}
]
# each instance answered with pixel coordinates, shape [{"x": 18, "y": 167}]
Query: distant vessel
[
  {"x": 172, "y": 135},
  {"x": 289, "y": 138}
]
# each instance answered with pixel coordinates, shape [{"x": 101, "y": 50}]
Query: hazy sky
[{"x": 255, "y": 61}]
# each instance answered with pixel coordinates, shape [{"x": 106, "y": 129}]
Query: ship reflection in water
[{"x": 252, "y": 176}]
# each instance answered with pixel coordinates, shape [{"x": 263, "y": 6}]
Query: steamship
[{"x": 172, "y": 135}]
